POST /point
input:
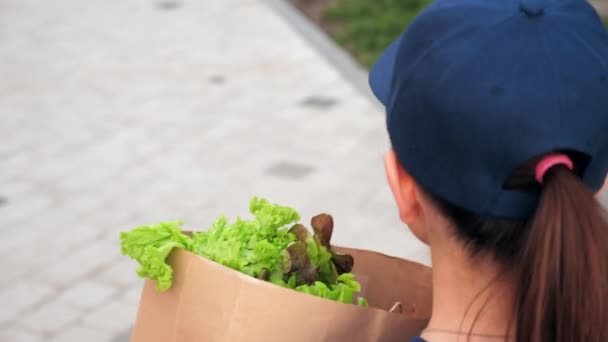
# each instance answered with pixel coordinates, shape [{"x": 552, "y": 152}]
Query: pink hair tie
[{"x": 550, "y": 161}]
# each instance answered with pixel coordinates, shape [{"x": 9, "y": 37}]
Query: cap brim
[{"x": 381, "y": 74}]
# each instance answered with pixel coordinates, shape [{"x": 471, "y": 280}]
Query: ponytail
[
  {"x": 562, "y": 279},
  {"x": 558, "y": 258}
]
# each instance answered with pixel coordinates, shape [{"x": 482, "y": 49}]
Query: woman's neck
[{"x": 469, "y": 295}]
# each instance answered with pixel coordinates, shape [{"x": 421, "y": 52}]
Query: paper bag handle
[{"x": 397, "y": 308}]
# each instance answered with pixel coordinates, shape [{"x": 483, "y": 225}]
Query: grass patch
[{"x": 366, "y": 27}]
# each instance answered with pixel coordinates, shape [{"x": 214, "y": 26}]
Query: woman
[{"x": 497, "y": 111}]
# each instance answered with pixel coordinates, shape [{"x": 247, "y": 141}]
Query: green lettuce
[
  {"x": 250, "y": 246},
  {"x": 150, "y": 245},
  {"x": 267, "y": 246}
]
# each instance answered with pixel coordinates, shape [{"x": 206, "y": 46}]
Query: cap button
[{"x": 531, "y": 8}]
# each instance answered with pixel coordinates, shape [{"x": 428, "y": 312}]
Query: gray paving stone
[
  {"x": 122, "y": 337},
  {"x": 80, "y": 263},
  {"x": 87, "y": 294},
  {"x": 84, "y": 203},
  {"x": 113, "y": 317},
  {"x": 12, "y": 272},
  {"x": 80, "y": 334},
  {"x": 289, "y": 169},
  {"x": 14, "y": 334},
  {"x": 119, "y": 273},
  {"x": 12, "y": 189},
  {"x": 21, "y": 209},
  {"x": 50, "y": 319},
  {"x": 21, "y": 296},
  {"x": 38, "y": 251},
  {"x": 132, "y": 295},
  {"x": 15, "y": 237},
  {"x": 78, "y": 234}
]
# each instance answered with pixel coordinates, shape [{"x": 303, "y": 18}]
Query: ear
[{"x": 404, "y": 188}]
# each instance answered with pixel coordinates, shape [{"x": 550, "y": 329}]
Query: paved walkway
[
  {"x": 115, "y": 113},
  {"x": 601, "y": 6},
  {"x": 122, "y": 112}
]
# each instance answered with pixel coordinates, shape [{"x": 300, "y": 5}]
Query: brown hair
[{"x": 558, "y": 257}]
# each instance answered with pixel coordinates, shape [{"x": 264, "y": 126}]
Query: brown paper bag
[{"x": 212, "y": 303}]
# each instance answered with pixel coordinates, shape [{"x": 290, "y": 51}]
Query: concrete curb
[
  {"x": 601, "y": 6},
  {"x": 332, "y": 52}
]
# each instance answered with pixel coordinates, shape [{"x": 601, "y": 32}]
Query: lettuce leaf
[
  {"x": 150, "y": 245},
  {"x": 250, "y": 246},
  {"x": 343, "y": 291}
]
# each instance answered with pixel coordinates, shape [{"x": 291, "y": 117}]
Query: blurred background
[{"x": 118, "y": 113}]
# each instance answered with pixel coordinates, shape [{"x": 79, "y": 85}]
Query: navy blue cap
[{"x": 475, "y": 88}]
